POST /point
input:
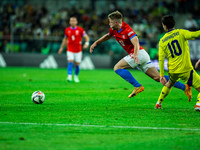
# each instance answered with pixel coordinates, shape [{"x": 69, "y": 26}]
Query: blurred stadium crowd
[{"x": 36, "y": 28}]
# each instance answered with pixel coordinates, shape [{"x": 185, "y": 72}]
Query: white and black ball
[{"x": 38, "y": 97}]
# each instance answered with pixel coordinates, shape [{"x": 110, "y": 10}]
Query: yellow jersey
[{"x": 174, "y": 44}]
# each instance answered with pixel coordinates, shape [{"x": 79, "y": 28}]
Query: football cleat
[
  {"x": 136, "y": 91},
  {"x": 188, "y": 92},
  {"x": 158, "y": 106},
  {"x": 69, "y": 79},
  {"x": 197, "y": 107},
  {"x": 76, "y": 79}
]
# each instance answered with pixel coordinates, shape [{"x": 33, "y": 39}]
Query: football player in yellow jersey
[{"x": 174, "y": 44}]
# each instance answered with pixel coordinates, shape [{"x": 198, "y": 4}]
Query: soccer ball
[{"x": 38, "y": 97}]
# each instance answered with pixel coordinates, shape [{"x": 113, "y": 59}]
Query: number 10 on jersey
[{"x": 173, "y": 49}]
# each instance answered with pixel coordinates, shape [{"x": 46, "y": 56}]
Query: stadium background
[{"x": 31, "y": 31}]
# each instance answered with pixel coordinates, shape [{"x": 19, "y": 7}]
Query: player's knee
[
  {"x": 77, "y": 64},
  {"x": 116, "y": 68},
  {"x": 169, "y": 85}
]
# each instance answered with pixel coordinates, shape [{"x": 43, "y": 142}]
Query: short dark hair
[
  {"x": 169, "y": 21},
  {"x": 115, "y": 16}
]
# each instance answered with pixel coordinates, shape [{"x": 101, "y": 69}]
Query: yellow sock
[
  {"x": 198, "y": 99},
  {"x": 165, "y": 91}
]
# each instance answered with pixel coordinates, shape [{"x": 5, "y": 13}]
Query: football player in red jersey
[
  {"x": 137, "y": 56},
  {"x": 73, "y": 39}
]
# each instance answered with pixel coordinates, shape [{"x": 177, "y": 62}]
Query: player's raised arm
[
  {"x": 191, "y": 35},
  {"x": 64, "y": 42},
  {"x": 102, "y": 39}
]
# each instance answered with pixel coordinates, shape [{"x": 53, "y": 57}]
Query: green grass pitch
[{"x": 93, "y": 114}]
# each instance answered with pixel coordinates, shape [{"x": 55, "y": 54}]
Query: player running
[
  {"x": 73, "y": 39},
  {"x": 137, "y": 56},
  {"x": 174, "y": 44}
]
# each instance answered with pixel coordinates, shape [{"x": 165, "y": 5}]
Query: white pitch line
[{"x": 101, "y": 126}]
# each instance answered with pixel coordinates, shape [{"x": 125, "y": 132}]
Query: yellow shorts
[{"x": 191, "y": 78}]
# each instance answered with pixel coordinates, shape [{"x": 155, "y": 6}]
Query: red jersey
[
  {"x": 124, "y": 36},
  {"x": 74, "y": 38}
]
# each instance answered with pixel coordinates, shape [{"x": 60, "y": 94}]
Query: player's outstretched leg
[
  {"x": 125, "y": 74},
  {"x": 184, "y": 87},
  {"x": 69, "y": 71}
]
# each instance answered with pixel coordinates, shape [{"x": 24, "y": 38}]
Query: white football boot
[
  {"x": 76, "y": 79},
  {"x": 69, "y": 78}
]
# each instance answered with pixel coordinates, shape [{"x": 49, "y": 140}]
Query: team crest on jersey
[{"x": 77, "y": 32}]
